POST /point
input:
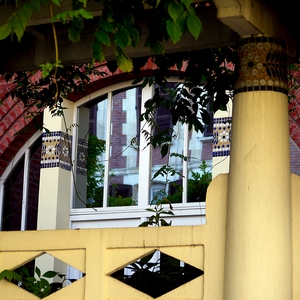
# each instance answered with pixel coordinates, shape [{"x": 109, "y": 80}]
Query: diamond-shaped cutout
[
  {"x": 44, "y": 275},
  {"x": 157, "y": 274}
]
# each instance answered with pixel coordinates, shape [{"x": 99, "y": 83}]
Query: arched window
[
  {"x": 115, "y": 166},
  {"x": 19, "y": 187}
]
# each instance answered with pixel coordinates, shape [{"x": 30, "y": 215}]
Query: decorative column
[
  {"x": 56, "y": 176},
  {"x": 258, "y": 257}
]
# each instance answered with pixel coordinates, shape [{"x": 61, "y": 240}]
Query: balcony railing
[{"x": 98, "y": 253}]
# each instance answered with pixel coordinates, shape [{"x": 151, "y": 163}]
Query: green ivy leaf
[
  {"x": 5, "y": 31},
  {"x": 98, "y": 54},
  {"x": 174, "y": 30},
  {"x": 75, "y": 30},
  {"x": 103, "y": 37},
  {"x": 123, "y": 61},
  {"x": 85, "y": 14},
  {"x": 25, "y": 14},
  {"x": 194, "y": 25},
  {"x": 175, "y": 10},
  {"x": 121, "y": 39},
  {"x": 106, "y": 26},
  {"x": 17, "y": 27}
]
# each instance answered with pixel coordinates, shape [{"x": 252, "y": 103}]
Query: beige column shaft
[
  {"x": 56, "y": 176},
  {"x": 258, "y": 257}
]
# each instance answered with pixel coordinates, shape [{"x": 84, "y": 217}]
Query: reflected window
[{"x": 121, "y": 167}]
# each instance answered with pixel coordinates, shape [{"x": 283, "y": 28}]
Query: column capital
[{"x": 262, "y": 65}]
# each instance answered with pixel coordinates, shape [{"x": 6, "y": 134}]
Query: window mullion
[
  {"x": 145, "y": 155},
  {"x": 185, "y": 162},
  {"x": 25, "y": 189},
  {"x": 73, "y": 157},
  {"x": 107, "y": 147}
]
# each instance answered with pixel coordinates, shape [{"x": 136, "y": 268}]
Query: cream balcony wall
[{"x": 100, "y": 252}]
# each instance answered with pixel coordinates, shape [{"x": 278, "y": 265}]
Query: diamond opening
[
  {"x": 157, "y": 274},
  {"x": 43, "y": 275}
]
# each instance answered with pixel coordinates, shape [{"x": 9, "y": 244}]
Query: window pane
[
  {"x": 123, "y": 146},
  {"x": 123, "y": 165},
  {"x": 14, "y": 192}
]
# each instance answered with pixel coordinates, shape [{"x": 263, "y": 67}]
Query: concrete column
[
  {"x": 258, "y": 257},
  {"x": 56, "y": 176}
]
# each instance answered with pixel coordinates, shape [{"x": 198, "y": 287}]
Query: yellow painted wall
[{"x": 99, "y": 252}]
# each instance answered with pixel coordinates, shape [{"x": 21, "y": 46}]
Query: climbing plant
[
  {"x": 206, "y": 73},
  {"x": 119, "y": 23}
]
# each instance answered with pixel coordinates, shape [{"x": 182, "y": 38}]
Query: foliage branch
[
  {"x": 119, "y": 23},
  {"x": 206, "y": 74},
  {"x": 37, "y": 284}
]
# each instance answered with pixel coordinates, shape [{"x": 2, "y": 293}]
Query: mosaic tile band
[
  {"x": 262, "y": 65},
  {"x": 222, "y": 136},
  {"x": 56, "y": 150},
  {"x": 82, "y": 154}
]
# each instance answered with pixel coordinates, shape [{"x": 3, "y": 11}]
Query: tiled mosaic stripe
[
  {"x": 262, "y": 65},
  {"x": 56, "y": 150},
  {"x": 222, "y": 136},
  {"x": 82, "y": 153}
]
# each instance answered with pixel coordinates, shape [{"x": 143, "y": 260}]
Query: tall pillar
[
  {"x": 56, "y": 176},
  {"x": 258, "y": 257}
]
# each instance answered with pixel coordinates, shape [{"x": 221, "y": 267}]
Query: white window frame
[
  {"x": 79, "y": 216},
  {"x": 24, "y": 152}
]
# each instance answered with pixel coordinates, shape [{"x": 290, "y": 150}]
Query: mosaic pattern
[
  {"x": 262, "y": 65},
  {"x": 56, "y": 150},
  {"x": 82, "y": 151},
  {"x": 222, "y": 136}
]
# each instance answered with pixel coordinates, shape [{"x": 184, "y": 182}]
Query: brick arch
[
  {"x": 100, "y": 82},
  {"x": 16, "y": 129},
  {"x": 13, "y": 120}
]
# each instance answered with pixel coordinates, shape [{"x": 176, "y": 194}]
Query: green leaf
[
  {"x": 194, "y": 25},
  {"x": 107, "y": 26},
  {"x": 85, "y": 14},
  {"x": 164, "y": 150},
  {"x": 165, "y": 223},
  {"x": 38, "y": 271},
  {"x": 121, "y": 39},
  {"x": 61, "y": 17},
  {"x": 175, "y": 10},
  {"x": 158, "y": 48},
  {"x": 83, "y": 2},
  {"x": 17, "y": 27},
  {"x": 187, "y": 3},
  {"x": 103, "y": 37},
  {"x": 174, "y": 30},
  {"x": 5, "y": 31},
  {"x": 25, "y": 14},
  {"x": 36, "y": 4},
  {"x": 31, "y": 279},
  {"x": 50, "y": 274},
  {"x": 168, "y": 212},
  {"x": 10, "y": 275},
  {"x": 74, "y": 33},
  {"x": 57, "y": 2}
]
